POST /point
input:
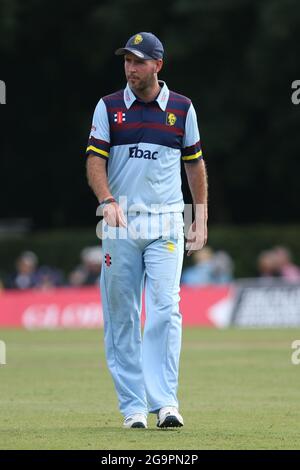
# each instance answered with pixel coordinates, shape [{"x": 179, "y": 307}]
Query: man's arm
[
  {"x": 197, "y": 179},
  {"x": 97, "y": 179}
]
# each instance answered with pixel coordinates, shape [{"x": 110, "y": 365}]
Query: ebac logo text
[{"x": 135, "y": 152}]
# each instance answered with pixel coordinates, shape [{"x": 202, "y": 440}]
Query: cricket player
[{"x": 138, "y": 136}]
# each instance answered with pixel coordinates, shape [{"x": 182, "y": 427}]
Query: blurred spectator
[
  {"x": 267, "y": 264},
  {"x": 26, "y": 272},
  {"x": 285, "y": 267},
  {"x": 222, "y": 268},
  {"x": 277, "y": 262},
  {"x": 88, "y": 272},
  {"x": 202, "y": 270},
  {"x": 47, "y": 277}
]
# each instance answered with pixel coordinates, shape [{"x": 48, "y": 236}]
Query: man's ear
[{"x": 159, "y": 65}]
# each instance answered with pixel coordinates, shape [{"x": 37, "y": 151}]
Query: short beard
[{"x": 144, "y": 84}]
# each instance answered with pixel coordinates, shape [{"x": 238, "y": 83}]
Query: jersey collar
[{"x": 162, "y": 99}]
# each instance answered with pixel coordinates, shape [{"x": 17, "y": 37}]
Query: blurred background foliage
[
  {"x": 236, "y": 60},
  {"x": 62, "y": 247}
]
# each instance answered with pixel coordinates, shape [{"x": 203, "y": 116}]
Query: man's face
[{"x": 141, "y": 73}]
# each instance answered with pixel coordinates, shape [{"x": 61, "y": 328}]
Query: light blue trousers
[{"x": 144, "y": 369}]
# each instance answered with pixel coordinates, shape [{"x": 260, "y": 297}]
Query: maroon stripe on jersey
[
  {"x": 124, "y": 110},
  {"x": 99, "y": 143},
  {"x": 192, "y": 147},
  {"x": 138, "y": 107},
  {"x": 148, "y": 125},
  {"x": 181, "y": 100},
  {"x": 178, "y": 112}
]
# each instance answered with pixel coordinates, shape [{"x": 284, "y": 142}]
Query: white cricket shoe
[
  {"x": 138, "y": 420},
  {"x": 168, "y": 417}
]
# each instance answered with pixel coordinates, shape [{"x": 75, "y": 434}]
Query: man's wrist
[
  {"x": 107, "y": 200},
  {"x": 200, "y": 208}
]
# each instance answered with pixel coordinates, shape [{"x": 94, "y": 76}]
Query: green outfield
[{"x": 238, "y": 390}]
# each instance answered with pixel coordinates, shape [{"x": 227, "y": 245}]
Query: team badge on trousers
[{"x": 107, "y": 259}]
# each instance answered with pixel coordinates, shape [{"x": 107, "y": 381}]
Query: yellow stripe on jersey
[
  {"x": 192, "y": 157},
  {"x": 102, "y": 152}
]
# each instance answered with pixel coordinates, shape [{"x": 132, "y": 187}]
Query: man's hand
[
  {"x": 114, "y": 216},
  {"x": 197, "y": 236}
]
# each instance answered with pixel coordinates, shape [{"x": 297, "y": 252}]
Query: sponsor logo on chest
[{"x": 135, "y": 152}]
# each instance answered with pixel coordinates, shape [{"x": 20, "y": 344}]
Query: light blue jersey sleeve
[
  {"x": 191, "y": 150},
  {"x": 99, "y": 140}
]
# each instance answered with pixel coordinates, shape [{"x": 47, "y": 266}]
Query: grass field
[{"x": 238, "y": 390}]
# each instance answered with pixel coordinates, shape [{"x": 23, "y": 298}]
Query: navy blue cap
[{"x": 144, "y": 46}]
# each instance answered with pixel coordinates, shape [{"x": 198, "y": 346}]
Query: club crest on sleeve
[
  {"x": 119, "y": 117},
  {"x": 171, "y": 119}
]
